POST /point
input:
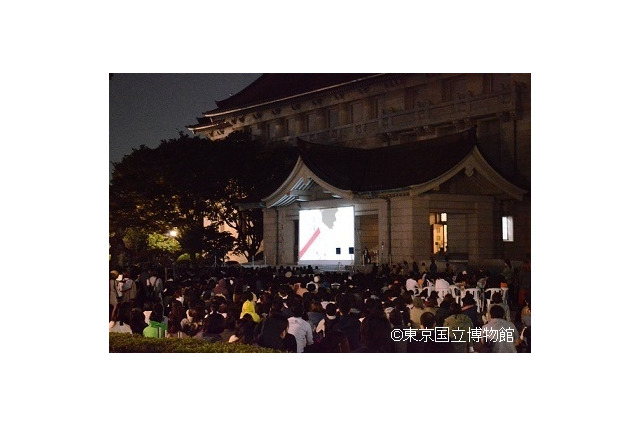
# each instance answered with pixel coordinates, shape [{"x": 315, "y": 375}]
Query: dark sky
[{"x": 147, "y": 108}]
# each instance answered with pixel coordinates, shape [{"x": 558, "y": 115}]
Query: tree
[
  {"x": 172, "y": 186},
  {"x": 258, "y": 169},
  {"x": 195, "y": 185}
]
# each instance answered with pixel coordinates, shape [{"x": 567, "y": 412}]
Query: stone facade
[{"x": 382, "y": 110}]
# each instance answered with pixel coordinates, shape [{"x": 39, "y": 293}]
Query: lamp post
[{"x": 173, "y": 234}]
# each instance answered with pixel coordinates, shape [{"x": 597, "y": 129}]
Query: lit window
[{"x": 507, "y": 228}]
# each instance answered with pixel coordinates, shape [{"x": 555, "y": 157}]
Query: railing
[{"x": 466, "y": 107}]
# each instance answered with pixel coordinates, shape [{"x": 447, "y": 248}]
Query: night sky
[{"x": 147, "y": 108}]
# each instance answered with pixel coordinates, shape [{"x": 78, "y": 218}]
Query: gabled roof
[
  {"x": 398, "y": 166},
  {"x": 415, "y": 167}
]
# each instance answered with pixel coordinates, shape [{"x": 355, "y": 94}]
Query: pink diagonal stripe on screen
[{"x": 311, "y": 240}]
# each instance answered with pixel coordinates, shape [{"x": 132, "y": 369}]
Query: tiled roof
[
  {"x": 270, "y": 87},
  {"x": 393, "y": 167}
]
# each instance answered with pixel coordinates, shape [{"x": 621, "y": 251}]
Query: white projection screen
[{"x": 326, "y": 235}]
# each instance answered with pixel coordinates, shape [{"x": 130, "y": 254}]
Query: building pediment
[
  {"x": 413, "y": 169},
  {"x": 303, "y": 184}
]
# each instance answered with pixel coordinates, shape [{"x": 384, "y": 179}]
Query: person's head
[
  {"x": 331, "y": 309},
  {"x": 214, "y": 324},
  {"x": 468, "y": 300},
  {"x": 197, "y": 313},
  {"x": 244, "y": 330},
  {"x": 177, "y": 311},
  {"x": 428, "y": 320},
  {"x": 156, "y": 313},
  {"x": 344, "y": 305},
  {"x": 496, "y": 297},
  {"x": 418, "y": 303},
  {"x": 448, "y": 298},
  {"x": 375, "y": 333},
  {"x": 496, "y": 311},
  {"x": 316, "y": 306},
  {"x": 282, "y": 325},
  {"x": 297, "y": 308},
  {"x": 431, "y": 302},
  {"x": 395, "y": 317},
  {"x": 455, "y": 308}
]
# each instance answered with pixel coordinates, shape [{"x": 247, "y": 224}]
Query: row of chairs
[{"x": 478, "y": 295}]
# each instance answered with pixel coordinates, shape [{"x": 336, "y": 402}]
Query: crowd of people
[{"x": 393, "y": 308}]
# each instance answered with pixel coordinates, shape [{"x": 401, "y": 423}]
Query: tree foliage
[{"x": 194, "y": 185}]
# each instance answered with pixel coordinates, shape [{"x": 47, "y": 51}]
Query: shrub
[{"x": 134, "y": 343}]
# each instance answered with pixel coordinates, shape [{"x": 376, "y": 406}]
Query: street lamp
[{"x": 173, "y": 233}]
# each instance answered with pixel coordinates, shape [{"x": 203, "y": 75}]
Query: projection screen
[{"x": 326, "y": 235}]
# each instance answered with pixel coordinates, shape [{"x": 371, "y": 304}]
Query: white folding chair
[
  {"x": 442, "y": 293},
  {"x": 492, "y": 291},
  {"x": 455, "y": 292},
  {"x": 475, "y": 292}
]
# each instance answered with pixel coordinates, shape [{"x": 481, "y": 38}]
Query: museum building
[{"x": 429, "y": 165}]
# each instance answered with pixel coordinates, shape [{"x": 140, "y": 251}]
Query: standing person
[
  {"x": 141, "y": 284},
  {"x": 433, "y": 268},
  {"x": 154, "y": 287},
  {"x": 121, "y": 319},
  {"x": 127, "y": 287},
  {"x": 524, "y": 277},
  {"x": 507, "y": 276},
  {"x": 114, "y": 292},
  {"x": 448, "y": 270}
]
